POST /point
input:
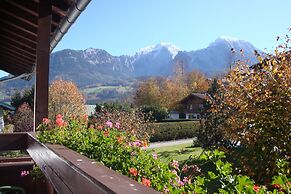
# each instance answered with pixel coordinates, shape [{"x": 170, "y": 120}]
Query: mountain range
[{"x": 96, "y": 66}]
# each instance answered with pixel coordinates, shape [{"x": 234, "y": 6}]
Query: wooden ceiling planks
[{"x": 19, "y": 29}]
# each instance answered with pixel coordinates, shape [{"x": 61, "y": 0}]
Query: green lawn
[
  {"x": 103, "y": 88},
  {"x": 177, "y": 152}
]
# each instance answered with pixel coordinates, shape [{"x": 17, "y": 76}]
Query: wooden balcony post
[{"x": 42, "y": 61}]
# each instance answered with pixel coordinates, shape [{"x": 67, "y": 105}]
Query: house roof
[
  {"x": 19, "y": 30},
  {"x": 6, "y": 106},
  {"x": 198, "y": 95}
]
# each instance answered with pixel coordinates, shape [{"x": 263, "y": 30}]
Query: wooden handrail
[{"x": 70, "y": 172}]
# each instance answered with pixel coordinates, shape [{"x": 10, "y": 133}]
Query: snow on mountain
[
  {"x": 91, "y": 66},
  {"x": 217, "y": 58},
  {"x": 158, "y": 47}
]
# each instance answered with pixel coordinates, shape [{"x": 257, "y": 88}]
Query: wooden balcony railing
[{"x": 70, "y": 172}]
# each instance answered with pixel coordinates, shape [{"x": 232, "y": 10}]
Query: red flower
[
  {"x": 100, "y": 127},
  {"x": 256, "y": 188},
  {"x": 106, "y": 133},
  {"x": 46, "y": 121},
  {"x": 146, "y": 182},
  {"x": 59, "y": 116},
  {"x": 133, "y": 171},
  {"x": 60, "y": 122}
]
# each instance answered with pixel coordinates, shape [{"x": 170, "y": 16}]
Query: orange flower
[
  {"x": 119, "y": 139},
  {"x": 133, "y": 171},
  {"x": 144, "y": 144},
  {"x": 100, "y": 127},
  {"x": 146, "y": 182}
]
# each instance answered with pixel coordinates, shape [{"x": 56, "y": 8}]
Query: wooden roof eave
[{"x": 74, "y": 11}]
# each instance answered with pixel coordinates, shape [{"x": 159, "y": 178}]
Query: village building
[{"x": 192, "y": 105}]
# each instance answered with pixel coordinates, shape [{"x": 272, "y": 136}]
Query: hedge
[
  {"x": 177, "y": 120},
  {"x": 166, "y": 131}
]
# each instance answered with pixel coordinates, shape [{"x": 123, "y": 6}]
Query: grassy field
[
  {"x": 103, "y": 88},
  {"x": 177, "y": 152}
]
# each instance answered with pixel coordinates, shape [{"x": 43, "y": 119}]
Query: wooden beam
[
  {"x": 13, "y": 43},
  {"x": 19, "y": 49},
  {"x": 13, "y": 59},
  {"x": 12, "y": 32},
  {"x": 18, "y": 24},
  {"x": 11, "y": 63},
  {"x": 13, "y": 141},
  {"x": 31, "y": 8},
  {"x": 42, "y": 61},
  {"x": 27, "y": 6},
  {"x": 18, "y": 53},
  {"x": 14, "y": 12},
  {"x": 59, "y": 11},
  {"x": 11, "y": 69},
  {"x": 18, "y": 40}
]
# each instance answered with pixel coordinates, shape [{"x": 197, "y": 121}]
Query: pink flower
[
  {"x": 91, "y": 126},
  {"x": 24, "y": 173},
  {"x": 175, "y": 164},
  {"x": 109, "y": 124},
  {"x": 155, "y": 156},
  {"x": 136, "y": 143},
  {"x": 181, "y": 183},
  {"x": 174, "y": 172},
  {"x": 185, "y": 180},
  {"x": 185, "y": 168},
  {"x": 117, "y": 125},
  {"x": 45, "y": 121}
]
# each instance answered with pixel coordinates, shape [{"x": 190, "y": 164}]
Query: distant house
[
  {"x": 4, "y": 106},
  {"x": 173, "y": 115},
  {"x": 90, "y": 109},
  {"x": 192, "y": 105}
]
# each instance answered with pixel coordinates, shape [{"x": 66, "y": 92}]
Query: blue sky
[{"x": 124, "y": 26}]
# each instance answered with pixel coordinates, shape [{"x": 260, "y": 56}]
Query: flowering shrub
[
  {"x": 123, "y": 152},
  {"x": 132, "y": 120},
  {"x": 23, "y": 119}
]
